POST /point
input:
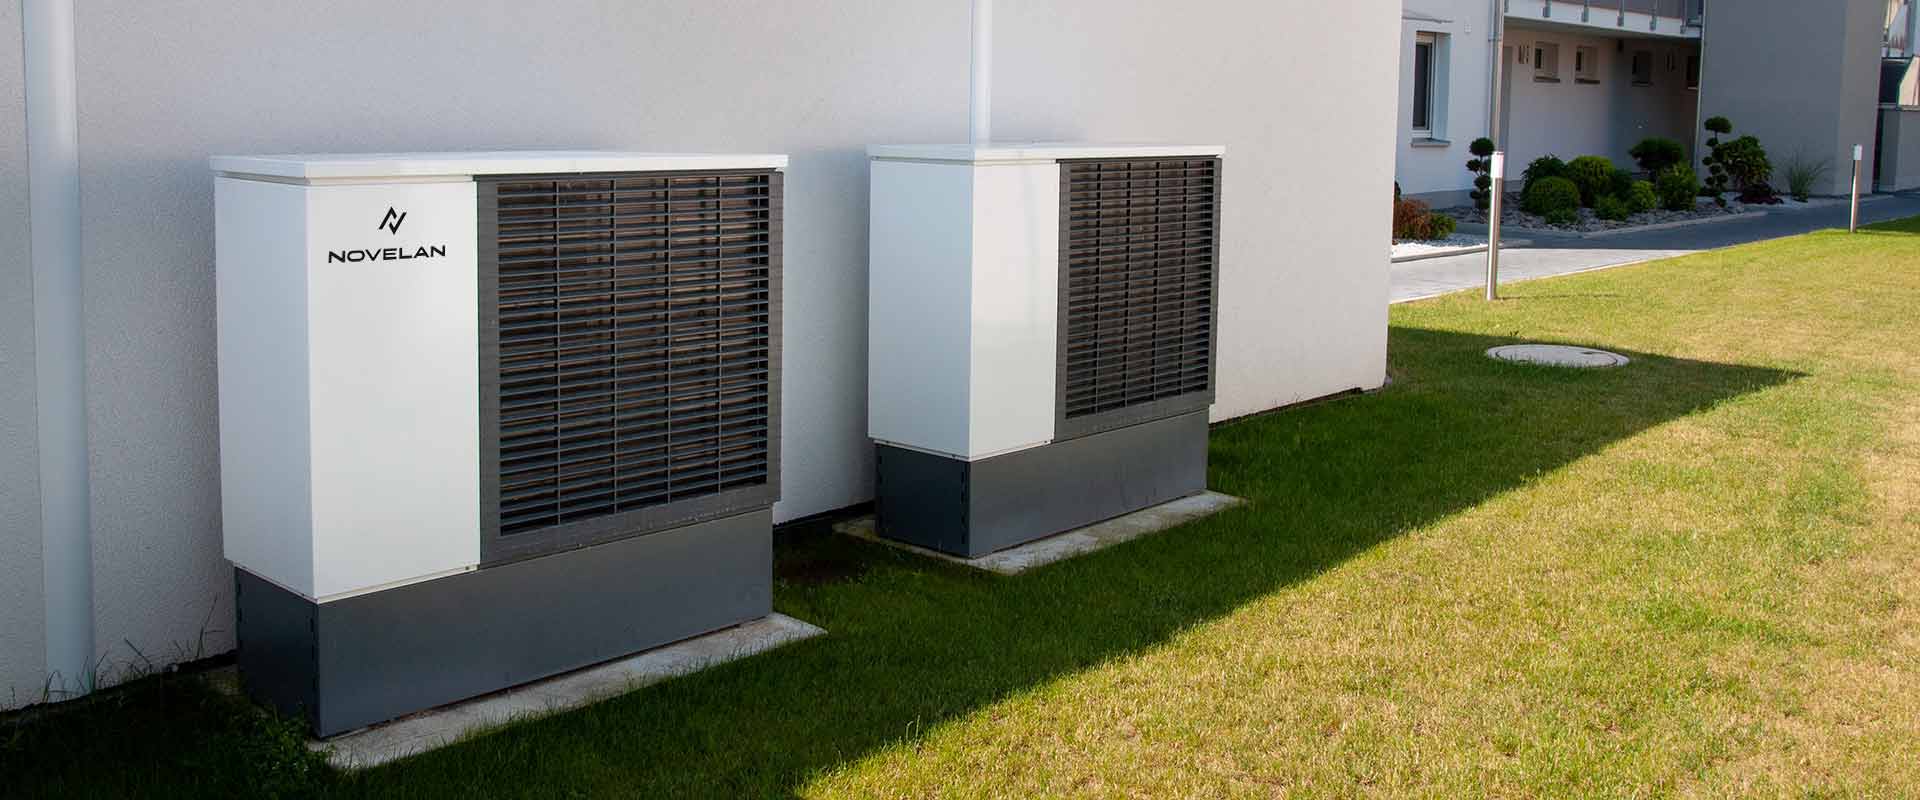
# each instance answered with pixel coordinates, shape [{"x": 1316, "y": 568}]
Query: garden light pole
[
  {"x": 1853, "y": 219},
  {"x": 1499, "y": 171}
]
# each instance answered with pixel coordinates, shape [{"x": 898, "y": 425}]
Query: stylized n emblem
[{"x": 391, "y": 222}]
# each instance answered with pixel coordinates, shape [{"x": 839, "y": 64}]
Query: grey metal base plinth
[
  {"x": 974, "y": 508},
  {"x": 353, "y": 662}
]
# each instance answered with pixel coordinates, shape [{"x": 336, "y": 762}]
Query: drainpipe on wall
[
  {"x": 1700, "y": 94},
  {"x": 53, "y": 208}
]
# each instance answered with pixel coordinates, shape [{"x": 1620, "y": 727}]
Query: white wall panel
[{"x": 1300, "y": 91}]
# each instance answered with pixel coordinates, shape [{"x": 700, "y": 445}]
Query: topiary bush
[
  {"x": 1610, "y": 207},
  {"x": 1481, "y": 165},
  {"x": 1677, "y": 186},
  {"x": 1556, "y": 199},
  {"x": 1543, "y": 167},
  {"x": 1745, "y": 162},
  {"x": 1716, "y": 172},
  {"x": 1642, "y": 197},
  {"x": 1594, "y": 176},
  {"x": 1656, "y": 153}
]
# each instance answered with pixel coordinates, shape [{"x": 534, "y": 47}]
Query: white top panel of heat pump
[
  {"x": 1038, "y": 151},
  {"x": 382, "y": 166}
]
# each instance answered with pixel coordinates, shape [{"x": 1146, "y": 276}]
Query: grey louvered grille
[
  {"x": 1139, "y": 245},
  {"x": 635, "y": 342}
]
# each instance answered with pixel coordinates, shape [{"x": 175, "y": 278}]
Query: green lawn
[{"x": 1698, "y": 575}]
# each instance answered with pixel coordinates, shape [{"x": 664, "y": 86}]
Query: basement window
[
  {"x": 1586, "y": 64},
  {"x": 1546, "y": 62}
]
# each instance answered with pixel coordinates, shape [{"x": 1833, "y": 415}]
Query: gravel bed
[
  {"x": 1512, "y": 216},
  {"x": 1458, "y": 241}
]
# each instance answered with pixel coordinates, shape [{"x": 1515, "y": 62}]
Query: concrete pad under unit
[
  {"x": 427, "y": 730},
  {"x": 1080, "y": 541}
]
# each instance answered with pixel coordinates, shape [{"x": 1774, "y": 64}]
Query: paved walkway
[{"x": 1550, "y": 256}]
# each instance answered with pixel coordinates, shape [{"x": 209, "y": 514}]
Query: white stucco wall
[
  {"x": 1439, "y": 172},
  {"x": 1281, "y": 84},
  {"x": 1800, "y": 76},
  {"x": 1570, "y": 119},
  {"x": 1567, "y": 119},
  {"x": 23, "y": 647},
  {"x": 1900, "y": 167}
]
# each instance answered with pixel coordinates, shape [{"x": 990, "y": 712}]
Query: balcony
[{"x": 1661, "y": 18}]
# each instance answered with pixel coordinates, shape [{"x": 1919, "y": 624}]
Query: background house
[
  {"x": 1597, "y": 76},
  {"x": 110, "y": 547}
]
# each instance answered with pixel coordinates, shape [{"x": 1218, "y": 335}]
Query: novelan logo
[{"x": 391, "y": 224}]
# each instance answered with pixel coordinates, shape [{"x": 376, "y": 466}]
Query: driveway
[{"x": 1549, "y": 256}]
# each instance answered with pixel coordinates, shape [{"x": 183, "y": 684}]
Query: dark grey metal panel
[
  {"x": 277, "y": 649},
  {"x": 920, "y": 498},
  {"x": 972, "y": 509},
  {"x": 1023, "y": 496},
  {"x": 391, "y": 653}
]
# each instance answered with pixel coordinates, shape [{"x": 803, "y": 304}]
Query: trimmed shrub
[
  {"x": 1716, "y": 172},
  {"x": 1414, "y": 220},
  {"x": 1594, "y": 176},
  {"x": 1745, "y": 162},
  {"x": 1642, "y": 197},
  {"x": 1481, "y": 165},
  {"x": 1610, "y": 207},
  {"x": 1557, "y": 199},
  {"x": 1656, "y": 153},
  {"x": 1542, "y": 167},
  {"x": 1677, "y": 187},
  {"x": 1622, "y": 185}
]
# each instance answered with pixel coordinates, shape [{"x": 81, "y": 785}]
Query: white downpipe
[
  {"x": 980, "y": 133},
  {"x": 53, "y": 174}
]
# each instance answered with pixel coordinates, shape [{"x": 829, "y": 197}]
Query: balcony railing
[{"x": 1689, "y": 12}]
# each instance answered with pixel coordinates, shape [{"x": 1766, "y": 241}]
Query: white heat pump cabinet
[
  {"x": 490, "y": 417},
  {"x": 1042, "y": 335}
]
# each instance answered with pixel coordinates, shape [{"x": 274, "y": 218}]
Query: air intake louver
[
  {"x": 1139, "y": 242},
  {"x": 629, "y": 328}
]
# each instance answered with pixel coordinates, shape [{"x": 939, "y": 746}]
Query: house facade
[
  {"x": 110, "y": 499},
  {"x": 1598, "y": 76}
]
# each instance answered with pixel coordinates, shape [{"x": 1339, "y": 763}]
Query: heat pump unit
[
  {"x": 1042, "y": 323},
  {"x": 491, "y": 417}
]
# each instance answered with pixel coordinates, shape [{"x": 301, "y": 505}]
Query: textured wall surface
[
  {"x": 1280, "y": 83},
  {"x": 23, "y": 647}
]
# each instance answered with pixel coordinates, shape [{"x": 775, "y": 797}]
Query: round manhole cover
[{"x": 1557, "y": 355}]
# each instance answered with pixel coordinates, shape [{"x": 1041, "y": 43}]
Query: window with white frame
[
  {"x": 1586, "y": 64},
  {"x": 1430, "y": 54},
  {"x": 1643, "y": 67},
  {"x": 1546, "y": 62}
]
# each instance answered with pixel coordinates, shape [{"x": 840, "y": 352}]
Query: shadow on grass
[{"x": 914, "y": 643}]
